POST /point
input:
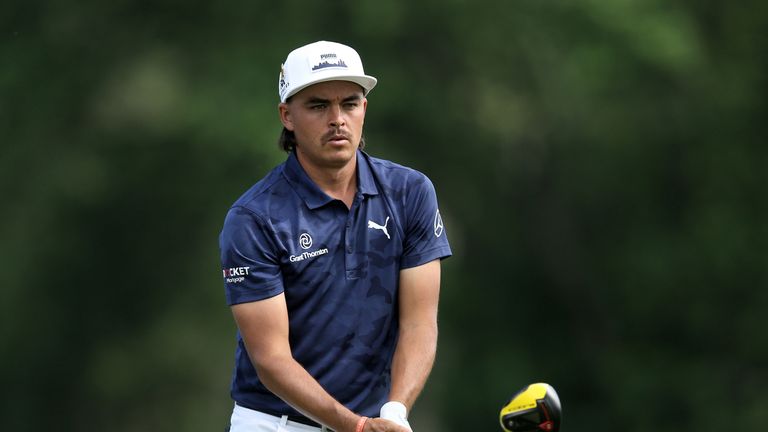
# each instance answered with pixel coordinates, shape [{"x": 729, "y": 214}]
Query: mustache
[{"x": 337, "y": 133}]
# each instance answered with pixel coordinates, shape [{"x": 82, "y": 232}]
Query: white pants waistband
[{"x": 248, "y": 420}]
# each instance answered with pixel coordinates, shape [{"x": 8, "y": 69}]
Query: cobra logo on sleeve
[{"x": 439, "y": 228}]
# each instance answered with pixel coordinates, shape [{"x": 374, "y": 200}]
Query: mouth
[{"x": 338, "y": 139}]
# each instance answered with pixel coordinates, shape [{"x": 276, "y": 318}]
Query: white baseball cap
[{"x": 318, "y": 62}]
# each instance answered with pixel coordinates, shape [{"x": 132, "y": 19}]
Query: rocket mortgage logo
[{"x": 235, "y": 274}]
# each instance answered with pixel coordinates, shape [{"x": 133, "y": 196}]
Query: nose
[{"x": 335, "y": 115}]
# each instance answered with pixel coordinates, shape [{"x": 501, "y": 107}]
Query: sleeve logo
[
  {"x": 438, "y": 225},
  {"x": 235, "y": 274}
]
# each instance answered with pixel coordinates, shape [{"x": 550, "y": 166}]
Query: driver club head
[{"x": 534, "y": 408}]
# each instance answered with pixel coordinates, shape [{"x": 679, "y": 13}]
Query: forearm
[
  {"x": 412, "y": 362},
  {"x": 287, "y": 379}
]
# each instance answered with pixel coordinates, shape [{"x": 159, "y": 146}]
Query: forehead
[{"x": 330, "y": 90}]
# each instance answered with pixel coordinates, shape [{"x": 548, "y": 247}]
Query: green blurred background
[{"x": 601, "y": 168}]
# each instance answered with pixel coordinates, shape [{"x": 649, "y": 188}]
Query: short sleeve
[
  {"x": 249, "y": 258},
  {"x": 425, "y": 236}
]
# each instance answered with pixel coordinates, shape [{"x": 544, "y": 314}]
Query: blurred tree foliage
[{"x": 601, "y": 168}]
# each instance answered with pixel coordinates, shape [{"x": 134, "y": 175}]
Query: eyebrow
[{"x": 319, "y": 100}]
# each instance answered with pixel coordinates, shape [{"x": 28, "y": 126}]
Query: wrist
[
  {"x": 361, "y": 424},
  {"x": 394, "y": 407}
]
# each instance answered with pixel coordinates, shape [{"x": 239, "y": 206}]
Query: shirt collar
[
  {"x": 365, "y": 182},
  {"x": 312, "y": 195}
]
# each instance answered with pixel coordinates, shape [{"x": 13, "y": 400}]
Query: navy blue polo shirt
[{"x": 339, "y": 270}]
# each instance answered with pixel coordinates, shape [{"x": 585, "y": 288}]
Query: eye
[
  {"x": 351, "y": 105},
  {"x": 317, "y": 107}
]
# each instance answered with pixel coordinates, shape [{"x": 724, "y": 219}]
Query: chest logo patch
[
  {"x": 305, "y": 241},
  {"x": 382, "y": 228}
]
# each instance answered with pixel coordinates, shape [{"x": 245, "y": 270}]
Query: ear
[
  {"x": 285, "y": 116},
  {"x": 365, "y": 108}
]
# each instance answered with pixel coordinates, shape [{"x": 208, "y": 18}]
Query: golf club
[{"x": 534, "y": 408}]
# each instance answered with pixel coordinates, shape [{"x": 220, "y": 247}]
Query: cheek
[
  {"x": 357, "y": 118},
  {"x": 306, "y": 124}
]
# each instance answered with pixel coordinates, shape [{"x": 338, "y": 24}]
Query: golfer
[{"x": 331, "y": 266}]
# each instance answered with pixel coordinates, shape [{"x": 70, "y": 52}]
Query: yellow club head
[{"x": 534, "y": 408}]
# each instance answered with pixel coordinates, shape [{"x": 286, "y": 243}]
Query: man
[{"x": 331, "y": 266}]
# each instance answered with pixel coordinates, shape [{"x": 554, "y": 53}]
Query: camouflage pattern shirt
[{"x": 339, "y": 271}]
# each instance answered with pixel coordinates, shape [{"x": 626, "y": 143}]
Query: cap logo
[
  {"x": 325, "y": 61},
  {"x": 283, "y": 85}
]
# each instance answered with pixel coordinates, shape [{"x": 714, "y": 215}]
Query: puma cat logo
[{"x": 383, "y": 228}]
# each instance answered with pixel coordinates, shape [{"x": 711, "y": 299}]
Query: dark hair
[{"x": 287, "y": 141}]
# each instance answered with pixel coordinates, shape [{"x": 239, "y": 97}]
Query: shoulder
[
  {"x": 258, "y": 197},
  {"x": 250, "y": 212},
  {"x": 395, "y": 176},
  {"x": 253, "y": 208}
]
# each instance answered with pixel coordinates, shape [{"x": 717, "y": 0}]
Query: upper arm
[
  {"x": 250, "y": 257},
  {"x": 424, "y": 234},
  {"x": 419, "y": 292},
  {"x": 263, "y": 325}
]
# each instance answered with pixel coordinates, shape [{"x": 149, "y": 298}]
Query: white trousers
[{"x": 248, "y": 420}]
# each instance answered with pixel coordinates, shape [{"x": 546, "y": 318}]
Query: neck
[{"x": 338, "y": 183}]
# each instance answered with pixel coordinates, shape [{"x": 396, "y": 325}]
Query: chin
[{"x": 342, "y": 158}]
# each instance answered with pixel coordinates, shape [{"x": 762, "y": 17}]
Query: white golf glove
[{"x": 396, "y": 412}]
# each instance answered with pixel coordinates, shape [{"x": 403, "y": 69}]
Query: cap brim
[{"x": 367, "y": 82}]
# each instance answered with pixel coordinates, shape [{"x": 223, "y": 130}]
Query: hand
[
  {"x": 384, "y": 425},
  {"x": 396, "y": 412}
]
